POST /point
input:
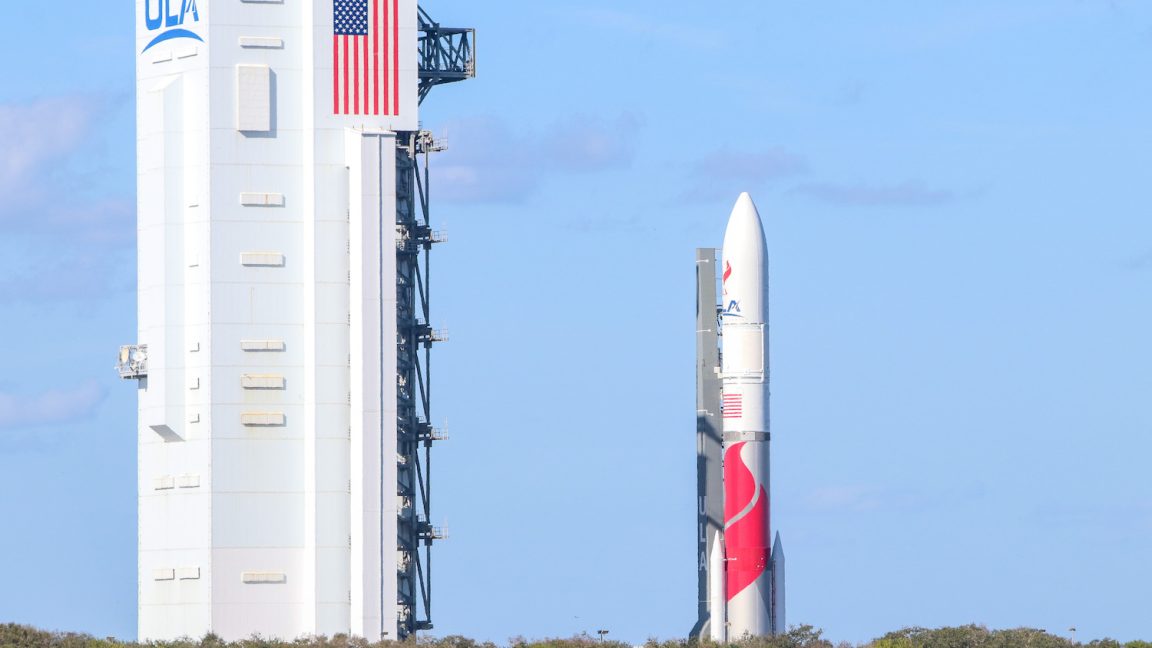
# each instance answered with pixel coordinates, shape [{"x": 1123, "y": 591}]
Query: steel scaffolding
[{"x": 446, "y": 56}]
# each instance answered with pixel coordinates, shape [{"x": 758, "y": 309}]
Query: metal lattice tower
[{"x": 446, "y": 56}]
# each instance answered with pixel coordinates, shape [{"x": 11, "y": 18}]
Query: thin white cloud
[
  {"x": 63, "y": 234},
  {"x": 483, "y": 183},
  {"x": 487, "y": 161},
  {"x": 34, "y": 136},
  {"x": 585, "y": 144},
  {"x": 1139, "y": 262},
  {"x": 725, "y": 173},
  {"x": 861, "y": 498},
  {"x": 89, "y": 273},
  {"x": 845, "y": 498},
  {"x": 912, "y": 193},
  {"x": 649, "y": 26},
  {"x": 52, "y": 407},
  {"x": 850, "y": 94}
]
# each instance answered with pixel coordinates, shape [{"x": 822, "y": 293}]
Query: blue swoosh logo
[{"x": 171, "y": 34}]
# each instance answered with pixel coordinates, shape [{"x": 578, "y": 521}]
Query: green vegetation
[{"x": 970, "y": 636}]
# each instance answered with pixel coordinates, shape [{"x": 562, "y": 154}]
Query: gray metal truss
[
  {"x": 447, "y": 54},
  {"x": 415, "y": 338}
]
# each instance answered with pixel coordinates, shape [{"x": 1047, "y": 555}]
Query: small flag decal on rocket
[
  {"x": 365, "y": 57},
  {"x": 733, "y": 406}
]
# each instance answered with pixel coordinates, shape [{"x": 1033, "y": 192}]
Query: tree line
[{"x": 804, "y": 636}]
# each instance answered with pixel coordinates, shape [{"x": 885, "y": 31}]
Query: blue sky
[{"x": 956, "y": 199}]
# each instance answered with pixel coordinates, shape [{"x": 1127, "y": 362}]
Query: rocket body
[
  {"x": 740, "y": 578},
  {"x": 744, "y": 372}
]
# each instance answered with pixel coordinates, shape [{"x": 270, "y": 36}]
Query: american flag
[
  {"x": 365, "y": 55},
  {"x": 733, "y": 405}
]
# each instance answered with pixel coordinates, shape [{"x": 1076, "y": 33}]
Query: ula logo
[
  {"x": 169, "y": 17},
  {"x": 733, "y": 310}
]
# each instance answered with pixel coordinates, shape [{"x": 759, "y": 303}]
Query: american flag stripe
[
  {"x": 375, "y": 56},
  {"x": 733, "y": 405},
  {"x": 388, "y": 20},
  {"x": 396, "y": 57},
  {"x": 365, "y": 57}
]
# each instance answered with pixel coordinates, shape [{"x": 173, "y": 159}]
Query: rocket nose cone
[
  {"x": 745, "y": 218},
  {"x": 744, "y": 200},
  {"x": 744, "y": 260}
]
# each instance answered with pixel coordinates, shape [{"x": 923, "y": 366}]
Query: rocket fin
[
  {"x": 717, "y": 603},
  {"x": 777, "y": 603}
]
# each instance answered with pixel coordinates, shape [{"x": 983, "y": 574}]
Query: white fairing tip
[
  {"x": 744, "y": 222},
  {"x": 744, "y": 201},
  {"x": 744, "y": 260}
]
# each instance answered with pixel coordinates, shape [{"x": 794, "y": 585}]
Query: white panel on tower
[
  {"x": 262, "y": 345},
  {"x": 273, "y": 259},
  {"x": 188, "y": 481},
  {"x": 254, "y": 199},
  {"x": 264, "y": 577},
  {"x": 253, "y": 98},
  {"x": 262, "y": 381},
  {"x": 188, "y": 573},
  {"x": 261, "y": 41},
  {"x": 256, "y": 419}
]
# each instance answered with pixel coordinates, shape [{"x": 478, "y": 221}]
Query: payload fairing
[{"x": 742, "y": 579}]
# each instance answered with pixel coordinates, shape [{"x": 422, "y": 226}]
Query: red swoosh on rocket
[{"x": 746, "y": 539}]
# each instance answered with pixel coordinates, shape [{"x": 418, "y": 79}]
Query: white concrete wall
[{"x": 269, "y": 391}]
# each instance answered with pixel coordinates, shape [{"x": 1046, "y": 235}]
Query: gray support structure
[
  {"x": 445, "y": 56},
  {"x": 709, "y": 452},
  {"x": 415, "y": 338}
]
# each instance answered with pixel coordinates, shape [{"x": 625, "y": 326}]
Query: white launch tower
[{"x": 283, "y": 315}]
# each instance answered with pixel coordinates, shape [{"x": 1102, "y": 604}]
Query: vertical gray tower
[{"x": 709, "y": 451}]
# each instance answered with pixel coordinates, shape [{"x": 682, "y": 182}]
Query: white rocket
[{"x": 751, "y": 578}]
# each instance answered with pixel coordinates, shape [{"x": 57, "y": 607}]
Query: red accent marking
[
  {"x": 367, "y": 78},
  {"x": 387, "y": 89},
  {"x": 395, "y": 58},
  {"x": 335, "y": 79},
  {"x": 345, "y": 73},
  {"x": 746, "y": 540},
  {"x": 739, "y": 483},
  {"x": 733, "y": 406},
  {"x": 356, "y": 75},
  {"x": 727, "y": 271},
  {"x": 375, "y": 58}
]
